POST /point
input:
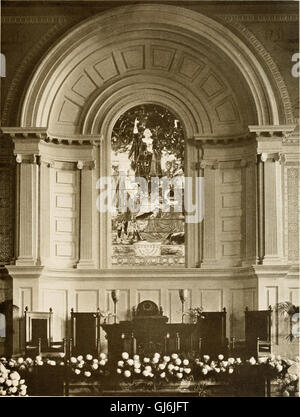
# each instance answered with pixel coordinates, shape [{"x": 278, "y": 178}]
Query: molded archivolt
[{"x": 161, "y": 54}]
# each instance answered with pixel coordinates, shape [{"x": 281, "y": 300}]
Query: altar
[{"x": 149, "y": 331}]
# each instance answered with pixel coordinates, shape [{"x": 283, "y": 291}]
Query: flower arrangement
[
  {"x": 11, "y": 383},
  {"x": 218, "y": 369},
  {"x": 288, "y": 383},
  {"x": 88, "y": 366},
  {"x": 196, "y": 313},
  {"x": 153, "y": 371}
]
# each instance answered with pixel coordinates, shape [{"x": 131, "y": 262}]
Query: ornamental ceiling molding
[
  {"x": 285, "y": 18},
  {"x": 29, "y": 20},
  {"x": 35, "y": 51},
  {"x": 172, "y": 19},
  {"x": 235, "y": 20}
]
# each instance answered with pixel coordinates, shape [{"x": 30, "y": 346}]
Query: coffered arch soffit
[{"x": 185, "y": 61}]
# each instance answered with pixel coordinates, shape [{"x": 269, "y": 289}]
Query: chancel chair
[
  {"x": 39, "y": 334},
  {"x": 258, "y": 332},
  {"x": 85, "y": 333}
]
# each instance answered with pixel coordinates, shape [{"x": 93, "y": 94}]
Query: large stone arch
[{"x": 189, "y": 53}]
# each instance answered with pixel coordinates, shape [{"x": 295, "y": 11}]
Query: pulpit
[{"x": 149, "y": 332}]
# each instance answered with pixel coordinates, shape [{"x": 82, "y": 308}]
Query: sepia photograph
[{"x": 149, "y": 201}]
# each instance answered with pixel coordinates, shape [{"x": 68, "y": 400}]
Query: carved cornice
[
  {"x": 25, "y": 132},
  {"x": 272, "y": 130},
  {"x": 226, "y": 139},
  {"x": 94, "y": 140}
]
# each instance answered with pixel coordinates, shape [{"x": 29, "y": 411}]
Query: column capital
[
  {"x": 272, "y": 156},
  {"x": 27, "y": 158},
  {"x": 86, "y": 165}
]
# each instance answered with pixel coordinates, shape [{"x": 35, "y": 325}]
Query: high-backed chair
[
  {"x": 85, "y": 333},
  {"x": 39, "y": 333},
  {"x": 258, "y": 332}
]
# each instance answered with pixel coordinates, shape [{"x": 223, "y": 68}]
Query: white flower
[
  {"x": 151, "y": 375},
  {"x": 230, "y": 370},
  {"x": 204, "y": 371},
  {"x": 155, "y": 359},
  {"x": 200, "y": 363},
  {"x": 52, "y": 363},
  {"x": 125, "y": 356},
  {"x": 95, "y": 366},
  {"x": 262, "y": 359},
  {"x": 102, "y": 362},
  {"x": 61, "y": 363},
  {"x": 137, "y": 370},
  {"x": 174, "y": 356},
  {"x": 272, "y": 357},
  {"x": 145, "y": 373},
  {"x": 163, "y": 375},
  {"x": 15, "y": 375},
  {"x": 146, "y": 360},
  {"x": 278, "y": 357},
  {"x": 161, "y": 366},
  {"x": 9, "y": 383},
  {"x": 87, "y": 374},
  {"x": 238, "y": 360},
  {"x": 179, "y": 375},
  {"x": 3, "y": 392},
  {"x": 231, "y": 361},
  {"x": 77, "y": 371},
  {"x": 223, "y": 369},
  {"x": 148, "y": 368},
  {"x": 121, "y": 364},
  {"x": 156, "y": 355},
  {"x": 127, "y": 374},
  {"x": 119, "y": 371},
  {"x": 29, "y": 361},
  {"x": 20, "y": 360},
  {"x": 178, "y": 361},
  {"x": 285, "y": 394},
  {"x": 170, "y": 366},
  {"x": 176, "y": 368},
  {"x": 73, "y": 360},
  {"x": 130, "y": 362},
  {"x": 137, "y": 365},
  {"x": 62, "y": 354},
  {"x": 185, "y": 362},
  {"x": 221, "y": 357},
  {"x": 224, "y": 363},
  {"x": 80, "y": 358},
  {"x": 13, "y": 390},
  {"x": 252, "y": 361},
  {"x": 205, "y": 358},
  {"x": 80, "y": 365},
  {"x": 218, "y": 370},
  {"x": 166, "y": 358},
  {"x": 279, "y": 368},
  {"x": 15, "y": 383},
  {"x": 102, "y": 356},
  {"x": 38, "y": 358},
  {"x": 89, "y": 357},
  {"x": 136, "y": 357},
  {"x": 2, "y": 380},
  {"x": 187, "y": 370}
]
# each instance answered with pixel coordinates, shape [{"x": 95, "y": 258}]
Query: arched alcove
[{"x": 167, "y": 48}]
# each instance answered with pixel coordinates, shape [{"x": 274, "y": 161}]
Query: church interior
[{"x": 204, "y": 94}]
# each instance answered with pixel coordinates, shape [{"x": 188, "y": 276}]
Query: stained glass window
[{"x": 148, "y": 224}]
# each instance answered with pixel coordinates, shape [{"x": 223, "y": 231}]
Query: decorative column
[
  {"x": 269, "y": 193},
  {"x": 86, "y": 222},
  {"x": 28, "y": 214}
]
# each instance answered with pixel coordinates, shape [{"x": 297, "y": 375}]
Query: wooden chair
[
  {"x": 85, "y": 333},
  {"x": 258, "y": 332},
  {"x": 38, "y": 334}
]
